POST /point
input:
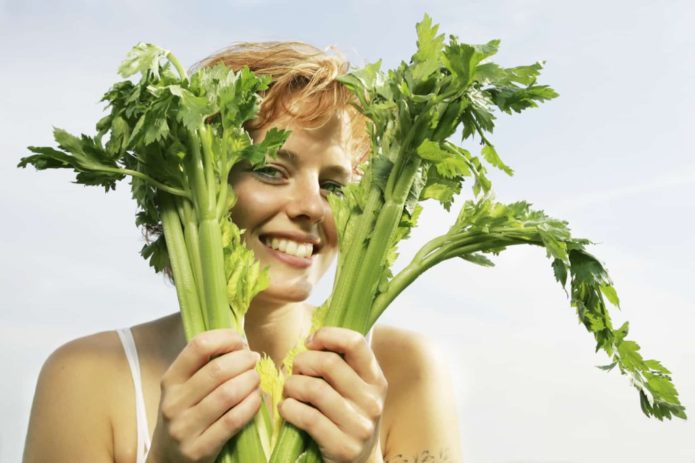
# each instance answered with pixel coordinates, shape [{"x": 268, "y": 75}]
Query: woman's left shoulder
[
  {"x": 419, "y": 416},
  {"x": 403, "y": 354}
]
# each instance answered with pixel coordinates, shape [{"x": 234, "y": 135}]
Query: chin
[
  {"x": 285, "y": 292},
  {"x": 273, "y": 297}
]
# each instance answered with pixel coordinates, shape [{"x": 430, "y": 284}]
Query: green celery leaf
[
  {"x": 461, "y": 59},
  {"x": 142, "y": 58},
  {"x": 491, "y": 156},
  {"x": 156, "y": 254},
  {"x": 429, "y": 48}
]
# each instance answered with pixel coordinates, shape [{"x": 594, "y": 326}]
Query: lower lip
[{"x": 293, "y": 261}]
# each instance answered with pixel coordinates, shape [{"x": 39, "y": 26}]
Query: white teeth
[{"x": 290, "y": 247}]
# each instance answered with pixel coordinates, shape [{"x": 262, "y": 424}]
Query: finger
[
  {"x": 221, "y": 400},
  {"x": 215, "y": 373},
  {"x": 321, "y": 429},
  {"x": 231, "y": 422},
  {"x": 358, "y": 354},
  {"x": 319, "y": 394},
  {"x": 198, "y": 352},
  {"x": 332, "y": 368}
]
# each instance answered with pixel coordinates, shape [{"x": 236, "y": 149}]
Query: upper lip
[{"x": 295, "y": 236}]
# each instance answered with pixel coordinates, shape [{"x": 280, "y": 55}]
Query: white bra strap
[{"x": 143, "y": 432}]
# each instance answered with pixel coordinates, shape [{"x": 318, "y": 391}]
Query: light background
[{"x": 612, "y": 155}]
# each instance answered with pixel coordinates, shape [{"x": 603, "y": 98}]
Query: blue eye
[
  {"x": 333, "y": 187},
  {"x": 268, "y": 172}
]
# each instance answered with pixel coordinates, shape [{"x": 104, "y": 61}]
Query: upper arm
[
  {"x": 69, "y": 416},
  {"x": 421, "y": 407}
]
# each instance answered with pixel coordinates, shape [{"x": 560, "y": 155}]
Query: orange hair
[{"x": 300, "y": 73}]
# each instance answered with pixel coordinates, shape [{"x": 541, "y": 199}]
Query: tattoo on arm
[{"x": 424, "y": 457}]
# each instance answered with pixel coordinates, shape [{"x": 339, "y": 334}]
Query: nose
[{"x": 306, "y": 202}]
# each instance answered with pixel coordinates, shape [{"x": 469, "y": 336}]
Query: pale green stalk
[
  {"x": 193, "y": 246},
  {"x": 191, "y": 314}
]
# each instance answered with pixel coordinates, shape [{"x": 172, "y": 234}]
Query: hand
[
  {"x": 205, "y": 402},
  {"x": 336, "y": 393}
]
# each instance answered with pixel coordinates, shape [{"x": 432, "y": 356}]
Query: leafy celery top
[{"x": 177, "y": 136}]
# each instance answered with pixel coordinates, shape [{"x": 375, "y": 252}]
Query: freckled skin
[
  {"x": 295, "y": 201},
  {"x": 91, "y": 377}
]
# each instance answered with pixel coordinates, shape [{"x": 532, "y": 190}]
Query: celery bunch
[
  {"x": 178, "y": 136},
  {"x": 415, "y": 110}
]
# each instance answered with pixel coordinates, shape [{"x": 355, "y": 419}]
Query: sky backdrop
[{"x": 613, "y": 156}]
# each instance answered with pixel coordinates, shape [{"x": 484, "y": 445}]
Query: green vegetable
[
  {"x": 178, "y": 136},
  {"x": 415, "y": 109}
]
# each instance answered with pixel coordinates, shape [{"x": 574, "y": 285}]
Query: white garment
[
  {"x": 143, "y": 433},
  {"x": 131, "y": 352}
]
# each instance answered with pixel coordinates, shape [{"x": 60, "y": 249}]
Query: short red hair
[{"x": 299, "y": 72}]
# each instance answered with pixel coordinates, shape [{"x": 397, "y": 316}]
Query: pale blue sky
[{"x": 613, "y": 155}]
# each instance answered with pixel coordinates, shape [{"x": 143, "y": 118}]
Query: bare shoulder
[
  {"x": 420, "y": 417},
  {"x": 402, "y": 353},
  {"x": 89, "y": 362},
  {"x": 85, "y": 352},
  {"x": 72, "y": 401}
]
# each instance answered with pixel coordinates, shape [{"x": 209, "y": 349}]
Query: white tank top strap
[{"x": 143, "y": 433}]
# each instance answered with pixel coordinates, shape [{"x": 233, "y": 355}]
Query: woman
[{"x": 361, "y": 401}]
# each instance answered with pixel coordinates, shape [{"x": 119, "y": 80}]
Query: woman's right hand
[{"x": 205, "y": 402}]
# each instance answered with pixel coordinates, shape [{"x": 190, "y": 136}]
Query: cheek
[
  {"x": 252, "y": 205},
  {"x": 331, "y": 232}
]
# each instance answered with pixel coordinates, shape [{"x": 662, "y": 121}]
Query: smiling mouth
[{"x": 293, "y": 253}]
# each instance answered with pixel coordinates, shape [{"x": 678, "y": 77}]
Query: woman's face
[{"x": 284, "y": 209}]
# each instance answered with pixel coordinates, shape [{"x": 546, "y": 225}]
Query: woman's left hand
[{"x": 336, "y": 394}]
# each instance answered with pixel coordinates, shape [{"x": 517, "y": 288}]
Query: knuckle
[
  {"x": 374, "y": 408},
  {"x": 232, "y": 421},
  {"x": 383, "y": 385},
  {"x": 167, "y": 409},
  {"x": 199, "y": 344},
  {"x": 168, "y": 380},
  {"x": 380, "y": 385},
  {"x": 365, "y": 430},
  {"x": 228, "y": 395},
  {"x": 356, "y": 340},
  {"x": 250, "y": 356},
  {"x": 165, "y": 382},
  {"x": 236, "y": 337},
  {"x": 333, "y": 361},
  {"x": 216, "y": 370},
  {"x": 349, "y": 451},
  {"x": 317, "y": 388},
  {"x": 177, "y": 432}
]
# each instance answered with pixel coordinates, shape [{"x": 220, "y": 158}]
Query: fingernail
[{"x": 309, "y": 339}]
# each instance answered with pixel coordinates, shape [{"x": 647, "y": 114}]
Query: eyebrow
[{"x": 334, "y": 169}]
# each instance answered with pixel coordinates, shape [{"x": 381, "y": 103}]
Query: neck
[{"x": 274, "y": 328}]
